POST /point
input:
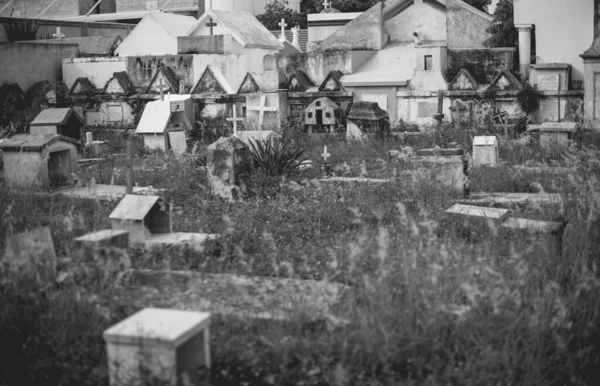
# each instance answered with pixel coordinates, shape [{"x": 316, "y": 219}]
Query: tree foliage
[
  {"x": 481, "y": 5},
  {"x": 503, "y": 31},
  {"x": 277, "y": 10}
]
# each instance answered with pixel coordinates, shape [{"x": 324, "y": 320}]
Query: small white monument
[
  {"x": 158, "y": 345},
  {"x": 485, "y": 151}
]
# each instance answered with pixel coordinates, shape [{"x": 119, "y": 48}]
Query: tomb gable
[
  {"x": 333, "y": 82},
  {"x": 169, "y": 79},
  {"x": 212, "y": 81},
  {"x": 299, "y": 82},
  {"x": 464, "y": 81},
  {"x": 249, "y": 85},
  {"x": 83, "y": 86},
  {"x": 505, "y": 81},
  {"x": 119, "y": 84}
]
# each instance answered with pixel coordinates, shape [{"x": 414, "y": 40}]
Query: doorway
[
  {"x": 59, "y": 168},
  {"x": 319, "y": 121}
]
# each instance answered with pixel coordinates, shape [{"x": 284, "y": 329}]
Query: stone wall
[
  {"x": 483, "y": 63},
  {"x": 28, "y": 63},
  {"x": 457, "y": 17},
  {"x": 97, "y": 70},
  {"x": 318, "y": 64}
]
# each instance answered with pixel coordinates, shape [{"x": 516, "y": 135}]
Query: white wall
[
  {"x": 564, "y": 29},
  {"x": 428, "y": 19},
  {"x": 97, "y": 70},
  {"x": 148, "y": 38},
  {"x": 255, "y": 7}
]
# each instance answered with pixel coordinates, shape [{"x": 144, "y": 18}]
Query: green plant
[
  {"x": 281, "y": 159},
  {"x": 529, "y": 99},
  {"x": 503, "y": 30},
  {"x": 21, "y": 30}
]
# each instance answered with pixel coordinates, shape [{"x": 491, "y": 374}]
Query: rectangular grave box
[
  {"x": 446, "y": 167},
  {"x": 142, "y": 216},
  {"x": 30, "y": 256},
  {"x": 497, "y": 215},
  {"x": 85, "y": 246},
  {"x": 551, "y": 76},
  {"x": 556, "y": 134},
  {"x": 158, "y": 345},
  {"x": 534, "y": 228},
  {"x": 485, "y": 151}
]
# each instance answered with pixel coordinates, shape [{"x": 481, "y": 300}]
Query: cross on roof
[
  {"x": 58, "y": 34},
  {"x": 235, "y": 120},
  {"x": 129, "y": 163},
  {"x": 211, "y": 24},
  {"x": 261, "y": 110},
  {"x": 161, "y": 87},
  {"x": 282, "y": 24}
]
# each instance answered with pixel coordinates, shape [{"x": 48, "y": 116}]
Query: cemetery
[{"x": 198, "y": 200}]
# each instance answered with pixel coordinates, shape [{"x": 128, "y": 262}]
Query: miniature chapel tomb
[
  {"x": 322, "y": 116},
  {"x": 63, "y": 121},
  {"x": 142, "y": 216},
  {"x": 164, "y": 123}
]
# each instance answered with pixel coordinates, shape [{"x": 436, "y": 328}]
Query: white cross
[
  {"x": 235, "y": 120},
  {"x": 282, "y": 24},
  {"x": 58, "y": 34},
  {"x": 325, "y": 154},
  {"x": 326, "y": 4},
  {"x": 261, "y": 110},
  {"x": 161, "y": 88}
]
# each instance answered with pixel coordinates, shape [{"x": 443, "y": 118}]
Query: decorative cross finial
[
  {"x": 58, "y": 34},
  {"x": 161, "y": 88},
  {"x": 282, "y": 24},
  {"x": 326, "y": 4},
  {"x": 325, "y": 154}
]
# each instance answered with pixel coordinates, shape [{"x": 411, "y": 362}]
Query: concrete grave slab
[
  {"x": 89, "y": 246},
  {"x": 496, "y": 214},
  {"x": 31, "y": 255},
  {"x": 357, "y": 180},
  {"x": 511, "y": 200},
  {"x": 103, "y": 192},
  {"x": 167, "y": 344},
  {"x": 194, "y": 241},
  {"x": 238, "y": 296},
  {"x": 177, "y": 141}
]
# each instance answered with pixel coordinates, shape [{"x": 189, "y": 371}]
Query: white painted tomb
[
  {"x": 167, "y": 344},
  {"x": 485, "y": 151}
]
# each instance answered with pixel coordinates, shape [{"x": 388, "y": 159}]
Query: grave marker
[
  {"x": 548, "y": 82},
  {"x": 485, "y": 151},
  {"x": 31, "y": 255},
  {"x": 129, "y": 163},
  {"x": 235, "y": 120},
  {"x": 262, "y": 108},
  {"x": 166, "y": 345},
  {"x": 282, "y": 24},
  {"x": 58, "y": 34}
]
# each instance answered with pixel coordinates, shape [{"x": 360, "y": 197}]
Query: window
[
  {"x": 269, "y": 63},
  {"x": 428, "y": 62},
  {"x": 327, "y": 115},
  {"x": 318, "y": 104},
  {"x": 310, "y": 115}
]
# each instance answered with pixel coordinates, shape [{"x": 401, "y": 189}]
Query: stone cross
[
  {"x": 326, "y": 4},
  {"x": 235, "y": 120},
  {"x": 88, "y": 138},
  {"x": 129, "y": 163},
  {"x": 211, "y": 24},
  {"x": 282, "y": 24},
  {"x": 161, "y": 88},
  {"x": 261, "y": 110},
  {"x": 325, "y": 154},
  {"x": 58, "y": 34}
]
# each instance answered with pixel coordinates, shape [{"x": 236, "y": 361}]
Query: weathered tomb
[
  {"x": 87, "y": 246},
  {"x": 367, "y": 119},
  {"x": 485, "y": 151},
  {"x": 164, "y": 123},
  {"x": 322, "y": 116},
  {"x": 213, "y": 87},
  {"x": 142, "y": 216},
  {"x": 556, "y": 134},
  {"x": 229, "y": 167},
  {"x": 63, "y": 121},
  {"x": 550, "y": 233},
  {"x": 36, "y": 162},
  {"x": 30, "y": 256},
  {"x": 446, "y": 167},
  {"x": 159, "y": 345}
]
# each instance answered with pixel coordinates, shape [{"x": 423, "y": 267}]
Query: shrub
[
  {"x": 529, "y": 99},
  {"x": 21, "y": 30},
  {"x": 277, "y": 160}
]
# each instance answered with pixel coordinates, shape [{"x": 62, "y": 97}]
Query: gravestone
[
  {"x": 556, "y": 134},
  {"x": 159, "y": 345},
  {"x": 31, "y": 256},
  {"x": 485, "y": 151},
  {"x": 177, "y": 142},
  {"x": 229, "y": 167}
]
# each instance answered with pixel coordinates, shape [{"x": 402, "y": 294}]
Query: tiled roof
[
  {"x": 176, "y": 25},
  {"x": 302, "y": 37}
]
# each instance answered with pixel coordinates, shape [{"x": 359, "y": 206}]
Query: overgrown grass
[{"x": 429, "y": 304}]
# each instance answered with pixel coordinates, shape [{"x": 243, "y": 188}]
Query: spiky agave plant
[{"x": 277, "y": 160}]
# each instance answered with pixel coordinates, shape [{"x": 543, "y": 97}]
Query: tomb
[
  {"x": 446, "y": 168},
  {"x": 142, "y": 216},
  {"x": 549, "y": 233},
  {"x": 119, "y": 85},
  {"x": 299, "y": 82},
  {"x": 266, "y": 110},
  {"x": 31, "y": 256},
  {"x": 164, "y": 123},
  {"x": 36, "y": 162},
  {"x": 159, "y": 345},
  {"x": 495, "y": 214},
  {"x": 322, "y": 116},
  {"x": 229, "y": 167},
  {"x": 63, "y": 121},
  {"x": 87, "y": 246},
  {"x": 333, "y": 82},
  {"x": 83, "y": 87},
  {"x": 367, "y": 119},
  {"x": 551, "y": 76},
  {"x": 164, "y": 80},
  {"x": 249, "y": 85},
  {"x": 485, "y": 151},
  {"x": 554, "y": 135}
]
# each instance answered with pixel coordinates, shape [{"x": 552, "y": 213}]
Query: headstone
[
  {"x": 485, "y": 151},
  {"x": 31, "y": 255},
  {"x": 178, "y": 142},
  {"x": 159, "y": 345},
  {"x": 548, "y": 82},
  {"x": 229, "y": 167}
]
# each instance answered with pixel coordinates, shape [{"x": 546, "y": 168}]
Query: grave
[
  {"x": 93, "y": 149},
  {"x": 322, "y": 116},
  {"x": 30, "y": 255},
  {"x": 85, "y": 247},
  {"x": 446, "y": 167},
  {"x": 64, "y": 121},
  {"x": 553, "y": 232},
  {"x": 485, "y": 151},
  {"x": 263, "y": 136},
  {"x": 367, "y": 119},
  {"x": 468, "y": 212},
  {"x": 262, "y": 108},
  {"x": 556, "y": 134},
  {"x": 142, "y": 216},
  {"x": 159, "y": 345},
  {"x": 164, "y": 123},
  {"x": 234, "y": 295},
  {"x": 229, "y": 167},
  {"x": 35, "y": 162},
  {"x": 514, "y": 200}
]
